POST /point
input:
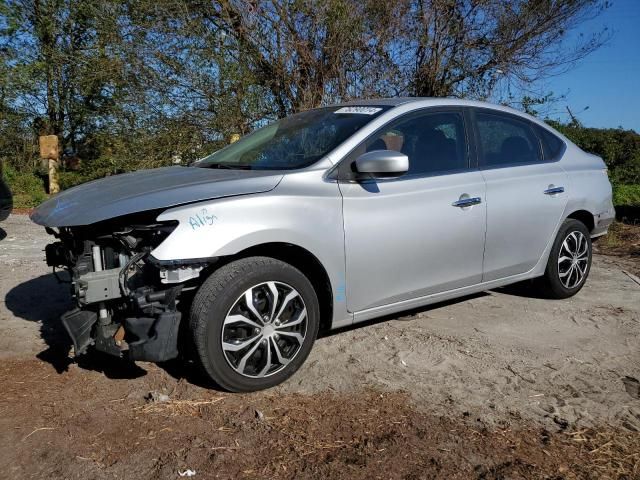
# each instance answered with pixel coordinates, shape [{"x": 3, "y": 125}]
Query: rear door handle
[
  {"x": 467, "y": 202},
  {"x": 553, "y": 190}
]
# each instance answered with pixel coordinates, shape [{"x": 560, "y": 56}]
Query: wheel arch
[
  {"x": 303, "y": 260},
  {"x": 585, "y": 217}
]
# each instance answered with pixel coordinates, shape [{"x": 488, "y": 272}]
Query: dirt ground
[{"x": 498, "y": 385}]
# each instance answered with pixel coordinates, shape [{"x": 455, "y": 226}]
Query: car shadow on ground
[
  {"x": 44, "y": 299},
  {"x": 405, "y": 315},
  {"x": 3, "y": 234},
  {"x": 525, "y": 289},
  {"x": 190, "y": 371}
]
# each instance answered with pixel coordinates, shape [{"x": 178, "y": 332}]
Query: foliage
[
  {"x": 26, "y": 187},
  {"x": 467, "y": 49},
  {"x": 90, "y": 71},
  {"x": 129, "y": 84},
  {"x": 626, "y": 195},
  {"x": 620, "y": 149}
]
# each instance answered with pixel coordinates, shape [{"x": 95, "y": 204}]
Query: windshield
[{"x": 293, "y": 142}]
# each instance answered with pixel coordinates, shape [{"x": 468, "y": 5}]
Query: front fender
[
  {"x": 225, "y": 227},
  {"x": 228, "y": 226}
]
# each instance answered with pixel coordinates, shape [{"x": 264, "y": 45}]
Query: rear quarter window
[{"x": 552, "y": 146}]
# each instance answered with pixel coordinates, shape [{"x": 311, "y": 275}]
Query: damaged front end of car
[{"x": 127, "y": 302}]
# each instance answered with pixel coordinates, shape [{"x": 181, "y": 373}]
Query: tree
[
  {"x": 67, "y": 71},
  {"x": 257, "y": 60},
  {"x": 466, "y": 48},
  {"x": 140, "y": 83}
]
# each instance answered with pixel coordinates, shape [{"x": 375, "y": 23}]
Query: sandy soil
[{"x": 473, "y": 385}]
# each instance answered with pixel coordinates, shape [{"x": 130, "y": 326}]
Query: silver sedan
[{"x": 320, "y": 220}]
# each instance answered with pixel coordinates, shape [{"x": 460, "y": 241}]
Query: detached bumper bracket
[
  {"x": 157, "y": 337},
  {"x": 78, "y": 324}
]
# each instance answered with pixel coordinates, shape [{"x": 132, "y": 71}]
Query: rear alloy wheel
[
  {"x": 569, "y": 261},
  {"x": 573, "y": 260},
  {"x": 254, "y": 322}
]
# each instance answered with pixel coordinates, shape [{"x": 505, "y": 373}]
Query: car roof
[
  {"x": 429, "y": 101},
  {"x": 392, "y": 102}
]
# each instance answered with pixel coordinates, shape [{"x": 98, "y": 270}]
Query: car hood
[{"x": 148, "y": 190}]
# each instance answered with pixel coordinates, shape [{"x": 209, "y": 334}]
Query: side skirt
[{"x": 383, "y": 310}]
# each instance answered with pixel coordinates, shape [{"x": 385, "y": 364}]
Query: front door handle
[
  {"x": 467, "y": 202},
  {"x": 553, "y": 190}
]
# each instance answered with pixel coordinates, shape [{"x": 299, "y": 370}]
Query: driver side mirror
[{"x": 383, "y": 163}]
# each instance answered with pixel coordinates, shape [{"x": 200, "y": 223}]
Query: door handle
[
  {"x": 553, "y": 190},
  {"x": 467, "y": 202}
]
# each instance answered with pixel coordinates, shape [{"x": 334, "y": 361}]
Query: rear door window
[{"x": 506, "y": 140}]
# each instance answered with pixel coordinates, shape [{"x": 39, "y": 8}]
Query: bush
[
  {"x": 27, "y": 188},
  {"x": 626, "y": 195},
  {"x": 68, "y": 179},
  {"x": 90, "y": 170},
  {"x": 620, "y": 149}
]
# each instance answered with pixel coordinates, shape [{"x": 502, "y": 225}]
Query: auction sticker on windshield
[{"x": 360, "y": 110}]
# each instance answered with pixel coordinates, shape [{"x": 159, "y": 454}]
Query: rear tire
[
  {"x": 569, "y": 261},
  {"x": 254, "y": 322}
]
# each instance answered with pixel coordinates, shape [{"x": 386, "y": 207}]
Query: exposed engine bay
[{"x": 127, "y": 302}]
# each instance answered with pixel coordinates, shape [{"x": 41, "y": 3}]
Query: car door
[
  {"x": 525, "y": 196},
  {"x": 420, "y": 233}
]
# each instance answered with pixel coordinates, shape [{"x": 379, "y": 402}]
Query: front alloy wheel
[
  {"x": 265, "y": 329},
  {"x": 254, "y": 322}
]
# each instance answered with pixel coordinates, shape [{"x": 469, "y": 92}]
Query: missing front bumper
[{"x": 156, "y": 337}]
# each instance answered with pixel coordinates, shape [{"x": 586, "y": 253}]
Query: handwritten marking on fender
[{"x": 201, "y": 219}]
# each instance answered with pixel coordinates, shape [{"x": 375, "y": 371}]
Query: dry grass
[
  {"x": 623, "y": 239},
  {"x": 611, "y": 454},
  {"x": 191, "y": 408},
  {"x": 309, "y": 437}
]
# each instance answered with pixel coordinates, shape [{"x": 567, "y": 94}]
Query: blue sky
[{"x": 608, "y": 80}]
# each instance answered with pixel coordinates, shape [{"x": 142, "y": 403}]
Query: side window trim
[
  {"x": 473, "y": 144},
  {"x": 343, "y": 171},
  {"x": 510, "y": 116}
]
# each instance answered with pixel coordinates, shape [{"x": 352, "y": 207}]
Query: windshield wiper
[{"x": 228, "y": 166}]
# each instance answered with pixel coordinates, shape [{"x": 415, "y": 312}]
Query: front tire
[
  {"x": 569, "y": 261},
  {"x": 254, "y": 322}
]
